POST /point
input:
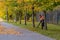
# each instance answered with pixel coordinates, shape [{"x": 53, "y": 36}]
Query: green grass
[{"x": 53, "y": 30}]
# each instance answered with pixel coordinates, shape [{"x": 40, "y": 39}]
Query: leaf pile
[{"x": 11, "y": 31}]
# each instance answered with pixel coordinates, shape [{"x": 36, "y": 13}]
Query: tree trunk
[
  {"x": 33, "y": 20},
  {"x": 57, "y": 18},
  {"x": 7, "y": 16},
  {"x": 26, "y": 19},
  {"x": 20, "y": 18},
  {"x": 45, "y": 21},
  {"x": 17, "y": 17}
]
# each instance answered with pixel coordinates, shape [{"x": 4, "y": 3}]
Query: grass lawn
[{"x": 53, "y": 30}]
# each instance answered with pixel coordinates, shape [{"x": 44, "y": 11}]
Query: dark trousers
[{"x": 42, "y": 24}]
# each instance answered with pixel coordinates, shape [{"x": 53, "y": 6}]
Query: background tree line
[{"x": 18, "y": 10}]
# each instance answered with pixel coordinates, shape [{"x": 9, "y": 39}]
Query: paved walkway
[{"x": 26, "y": 34}]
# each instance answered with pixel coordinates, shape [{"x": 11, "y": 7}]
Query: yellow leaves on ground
[
  {"x": 11, "y": 31},
  {"x": 1, "y": 28}
]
